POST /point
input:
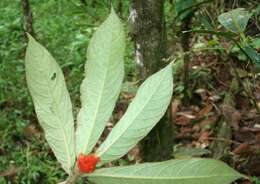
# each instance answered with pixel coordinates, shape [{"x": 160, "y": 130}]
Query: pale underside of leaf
[
  {"x": 235, "y": 20},
  {"x": 51, "y": 101},
  {"x": 100, "y": 89},
  {"x": 143, "y": 113},
  {"x": 186, "y": 171}
]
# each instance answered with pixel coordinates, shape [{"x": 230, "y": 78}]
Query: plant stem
[
  {"x": 72, "y": 179},
  {"x": 28, "y": 17}
]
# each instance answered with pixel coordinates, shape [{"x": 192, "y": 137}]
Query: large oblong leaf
[
  {"x": 235, "y": 20},
  {"x": 143, "y": 113},
  {"x": 101, "y": 87},
  {"x": 51, "y": 101},
  {"x": 186, "y": 171}
]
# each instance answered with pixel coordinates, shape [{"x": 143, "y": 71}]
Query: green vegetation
[
  {"x": 65, "y": 28},
  {"x": 215, "y": 106}
]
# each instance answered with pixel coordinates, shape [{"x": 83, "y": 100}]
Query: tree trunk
[
  {"x": 185, "y": 43},
  {"x": 149, "y": 37},
  {"x": 120, "y": 7},
  {"x": 28, "y": 18},
  {"x": 149, "y": 34}
]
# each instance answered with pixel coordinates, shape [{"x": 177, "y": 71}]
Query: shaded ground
[{"x": 218, "y": 117}]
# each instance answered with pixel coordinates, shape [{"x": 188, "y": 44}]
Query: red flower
[{"x": 87, "y": 163}]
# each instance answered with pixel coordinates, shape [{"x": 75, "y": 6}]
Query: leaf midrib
[
  {"x": 100, "y": 98},
  {"x": 163, "y": 178},
  {"x": 109, "y": 145},
  {"x": 63, "y": 134},
  {"x": 96, "y": 112},
  {"x": 58, "y": 116}
]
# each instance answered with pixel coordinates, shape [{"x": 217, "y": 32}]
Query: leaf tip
[
  {"x": 30, "y": 37},
  {"x": 169, "y": 66},
  {"x": 31, "y": 41},
  {"x": 113, "y": 12}
]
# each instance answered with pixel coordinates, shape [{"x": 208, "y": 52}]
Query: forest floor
[
  {"x": 219, "y": 120},
  {"x": 216, "y": 116}
]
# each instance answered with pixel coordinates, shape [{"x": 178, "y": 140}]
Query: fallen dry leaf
[
  {"x": 203, "y": 112},
  {"x": 182, "y": 120},
  {"x": 32, "y": 131},
  {"x": 242, "y": 149}
]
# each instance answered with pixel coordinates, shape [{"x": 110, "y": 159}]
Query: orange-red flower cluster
[{"x": 87, "y": 163}]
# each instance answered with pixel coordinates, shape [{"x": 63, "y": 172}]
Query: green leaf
[
  {"x": 186, "y": 171},
  {"x": 104, "y": 72},
  {"x": 183, "y": 152},
  {"x": 183, "y": 8},
  {"x": 205, "y": 21},
  {"x": 252, "y": 54},
  {"x": 143, "y": 113},
  {"x": 235, "y": 20},
  {"x": 51, "y": 101},
  {"x": 256, "y": 42}
]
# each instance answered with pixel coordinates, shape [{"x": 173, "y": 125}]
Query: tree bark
[
  {"x": 185, "y": 43},
  {"x": 28, "y": 17},
  {"x": 120, "y": 7},
  {"x": 149, "y": 34},
  {"x": 149, "y": 37}
]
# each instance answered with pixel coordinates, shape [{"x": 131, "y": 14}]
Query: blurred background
[{"x": 215, "y": 107}]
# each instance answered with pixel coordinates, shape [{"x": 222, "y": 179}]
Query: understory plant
[
  {"x": 104, "y": 72},
  {"x": 235, "y": 21}
]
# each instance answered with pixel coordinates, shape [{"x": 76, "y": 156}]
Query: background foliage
[{"x": 64, "y": 27}]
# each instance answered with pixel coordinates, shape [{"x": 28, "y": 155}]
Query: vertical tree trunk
[
  {"x": 28, "y": 18},
  {"x": 120, "y": 7},
  {"x": 149, "y": 37},
  {"x": 149, "y": 34},
  {"x": 185, "y": 43}
]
